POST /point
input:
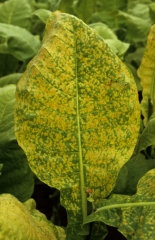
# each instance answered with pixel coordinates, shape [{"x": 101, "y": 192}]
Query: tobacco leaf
[
  {"x": 16, "y": 176},
  {"x": 134, "y": 216},
  {"x": 76, "y": 115},
  {"x": 16, "y": 12},
  {"x": 146, "y": 72},
  {"x": 22, "y": 221}
]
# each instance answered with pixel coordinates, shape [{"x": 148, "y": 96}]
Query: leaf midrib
[{"x": 82, "y": 187}]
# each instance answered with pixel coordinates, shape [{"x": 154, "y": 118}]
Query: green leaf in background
[
  {"x": 133, "y": 60},
  {"x": 105, "y": 11},
  {"x": 84, "y": 9},
  {"x": 147, "y": 138},
  {"x": 16, "y": 12},
  {"x": 66, "y": 6},
  {"x": 152, "y": 12},
  {"x": 137, "y": 28},
  {"x": 131, "y": 173},
  {"x": 42, "y": 14},
  {"x": 146, "y": 72},
  {"x": 118, "y": 47},
  {"x": 139, "y": 8},
  {"x": 8, "y": 64},
  {"x": 134, "y": 72},
  {"x": 44, "y": 4},
  {"x": 134, "y": 216},
  {"x": 16, "y": 177},
  {"x": 18, "y": 42},
  {"x": 135, "y": 57},
  {"x": 22, "y": 221},
  {"x": 78, "y": 104},
  {"x": 103, "y": 30},
  {"x": 10, "y": 79}
]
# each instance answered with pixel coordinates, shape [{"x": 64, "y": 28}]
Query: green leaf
[
  {"x": 42, "y": 14},
  {"x": 152, "y": 11},
  {"x": 103, "y": 30},
  {"x": 78, "y": 104},
  {"x": 137, "y": 28},
  {"x": 23, "y": 221},
  {"x": 98, "y": 231},
  {"x": 147, "y": 138},
  {"x": 16, "y": 12},
  {"x": 131, "y": 173},
  {"x": 105, "y": 12},
  {"x": 84, "y": 9},
  {"x": 139, "y": 8},
  {"x": 10, "y": 79},
  {"x": 66, "y": 6},
  {"x": 117, "y": 46},
  {"x": 135, "y": 57},
  {"x": 134, "y": 72},
  {"x": 134, "y": 216},
  {"x": 18, "y": 42},
  {"x": 16, "y": 178}
]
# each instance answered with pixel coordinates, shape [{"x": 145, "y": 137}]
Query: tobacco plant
[
  {"x": 76, "y": 119},
  {"x": 77, "y": 104}
]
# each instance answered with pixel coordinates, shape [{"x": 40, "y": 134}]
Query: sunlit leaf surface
[
  {"x": 146, "y": 73},
  {"x": 23, "y": 221},
  {"x": 76, "y": 114}
]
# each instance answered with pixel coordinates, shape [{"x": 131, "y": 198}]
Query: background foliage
[{"x": 125, "y": 25}]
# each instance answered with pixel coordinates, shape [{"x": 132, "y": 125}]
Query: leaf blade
[
  {"x": 15, "y": 12},
  {"x": 132, "y": 215},
  {"x": 18, "y": 42},
  {"x": 79, "y": 125},
  {"x": 16, "y": 177}
]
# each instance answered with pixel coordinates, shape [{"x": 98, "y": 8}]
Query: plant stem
[{"x": 125, "y": 205}]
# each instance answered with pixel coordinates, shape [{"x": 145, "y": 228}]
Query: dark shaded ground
[{"x": 48, "y": 202}]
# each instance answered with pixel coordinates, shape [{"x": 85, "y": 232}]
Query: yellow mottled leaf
[
  {"x": 146, "y": 72},
  {"x": 22, "y": 221},
  {"x": 76, "y": 115},
  {"x": 133, "y": 216}
]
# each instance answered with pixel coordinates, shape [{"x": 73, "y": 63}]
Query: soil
[{"x": 48, "y": 202}]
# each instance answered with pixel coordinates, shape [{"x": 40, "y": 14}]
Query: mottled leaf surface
[
  {"x": 117, "y": 46},
  {"x": 23, "y": 221},
  {"x": 16, "y": 177},
  {"x": 134, "y": 216},
  {"x": 146, "y": 73},
  {"x": 76, "y": 114},
  {"x": 99, "y": 231}
]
